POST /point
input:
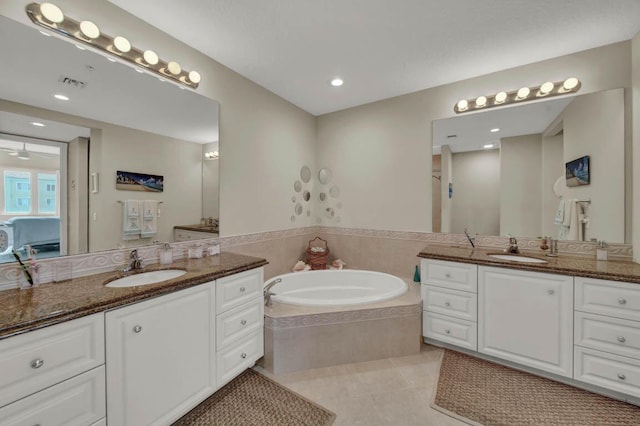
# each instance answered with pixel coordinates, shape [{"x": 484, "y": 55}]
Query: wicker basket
[{"x": 318, "y": 258}]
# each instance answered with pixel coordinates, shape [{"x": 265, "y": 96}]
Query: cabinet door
[
  {"x": 160, "y": 357},
  {"x": 527, "y": 318}
]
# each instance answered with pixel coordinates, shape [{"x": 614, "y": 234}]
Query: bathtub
[
  {"x": 335, "y": 317},
  {"x": 336, "y": 288}
]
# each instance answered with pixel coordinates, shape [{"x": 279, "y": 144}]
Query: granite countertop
[
  {"x": 52, "y": 303},
  {"x": 198, "y": 228},
  {"x": 563, "y": 264}
]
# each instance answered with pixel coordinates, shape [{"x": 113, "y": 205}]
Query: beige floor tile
[{"x": 392, "y": 391}]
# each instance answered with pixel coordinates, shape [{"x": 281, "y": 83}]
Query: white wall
[
  {"x": 264, "y": 140},
  {"x": 603, "y": 141},
  {"x": 446, "y": 173},
  {"x": 378, "y": 150},
  {"x": 636, "y": 145},
  {"x": 210, "y": 183},
  {"x": 520, "y": 185},
  {"x": 552, "y": 169},
  {"x": 476, "y": 192},
  {"x": 78, "y": 194}
]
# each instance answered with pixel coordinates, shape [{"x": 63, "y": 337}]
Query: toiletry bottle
[
  {"x": 416, "y": 274},
  {"x": 166, "y": 254},
  {"x": 601, "y": 251}
]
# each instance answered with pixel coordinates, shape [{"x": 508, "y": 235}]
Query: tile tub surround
[
  {"x": 53, "y": 303},
  {"x": 303, "y": 337},
  {"x": 563, "y": 264}
]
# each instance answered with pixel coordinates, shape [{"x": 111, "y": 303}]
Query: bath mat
[
  {"x": 252, "y": 399},
  {"x": 481, "y": 392}
]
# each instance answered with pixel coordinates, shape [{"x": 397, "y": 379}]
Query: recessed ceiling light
[
  {"x": 337, "y": 82},
  {"x": 38, "y": 124},
  {"x": 61, "y": 97},
  {"x": 488, "y": 146},
  {"x": 494, "y": 130}
]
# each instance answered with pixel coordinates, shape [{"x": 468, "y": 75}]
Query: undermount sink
[
  {"x": 146, "y": 278},
  {"x": 517, "y": 258}
]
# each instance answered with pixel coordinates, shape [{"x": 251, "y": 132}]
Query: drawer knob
[
  {"x": 243, "y": 322},
  {"x": 622, "y": 301},
  {"x": 551, "y": 291},
  {"x": 447, "y": 304},
  {"x": 447, "y": 275},
  {"x": 621, "y": 376},
  {"x": 447, "y": 331},
  {"x": 621, "y": 339},
  {"x": 137, "y": 329},
  {"x": 242, "y": 289},
  {"x": 37, "y": 363},
  {"x": 243, "y": 355}
]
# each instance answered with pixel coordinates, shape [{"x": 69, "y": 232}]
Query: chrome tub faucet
[{"x": 267, "y": 293}]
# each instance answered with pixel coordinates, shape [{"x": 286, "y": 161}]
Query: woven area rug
[
  {"x": 252, "y": 399},
  {"x": 481, "y": 392}
]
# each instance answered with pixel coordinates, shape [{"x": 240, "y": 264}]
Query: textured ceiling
[{"x": 383, "y": 48}]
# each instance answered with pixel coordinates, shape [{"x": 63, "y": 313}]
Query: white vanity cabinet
[
  {"x": 607, "y": 334},
  {"x": 239, "y": 323},
  {"x": 527, "y": 318},
  {"x": 186, "y": 235},
  {"x": 160, "y": 357},
  {"x": 449, "y": 302},
  {"x": 55, "y": 375}
]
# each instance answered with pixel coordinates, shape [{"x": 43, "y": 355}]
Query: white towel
[
  {"x": 131, "y": 219},
  {"x": 571, "y": 226},
  {"x": 150, "y": 219}
]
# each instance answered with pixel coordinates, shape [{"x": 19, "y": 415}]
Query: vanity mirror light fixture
[
  {"x": 50, "y": 16},
  {"x": 546, "y": 90}
]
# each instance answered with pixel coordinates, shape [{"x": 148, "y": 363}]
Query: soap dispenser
[{"x": 166, "y": 254}]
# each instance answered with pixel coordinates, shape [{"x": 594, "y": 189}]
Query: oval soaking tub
[{"x": 336, "y": 287}]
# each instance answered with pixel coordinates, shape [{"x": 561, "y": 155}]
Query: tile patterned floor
[{"x": 392, "y": 391}]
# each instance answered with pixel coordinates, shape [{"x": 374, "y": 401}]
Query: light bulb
[
  {"x": 150, "y": 57},
  {"x": 488, "y": 146},
  {"x": 89, "y": 29},
  {"x": 546, "y": 88},
  {"x": 463, "y": 105},
  {"x": 523, "y": 92},
  {"x": 174, "y": 68},
  {"x": 61, "y": 97},
  {"x": 481, "y": 101},
  {"x": 501, "y": 97},
  {"x": 52, "y": 13},
  {"x": 570, "y": 83},
  {"x": 495, "y": 130},
  {"x": 122, "y": 44},
  {"x": 194, "y": 76},
  {"x": 337, "y": 82}
]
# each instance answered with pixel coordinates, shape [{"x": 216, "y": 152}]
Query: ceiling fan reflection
[{"x": 23, "y": 154}]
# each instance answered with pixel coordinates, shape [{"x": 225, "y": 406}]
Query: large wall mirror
[
  {"x": 504, "y": 171},
  {"x": 59, "y": 159}
]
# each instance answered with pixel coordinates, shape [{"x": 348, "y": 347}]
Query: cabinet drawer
[
  {"x": 41, "y": 358},
  {"x": 618, "y": 336},
  {"x": 459, "y": 304},
  {"x": 457, "y": 276},
  {"x": 450, "y": 330},
  {"x": 238, "y": 289},
  {"x": 616, "y": 299},
  {"x": 609, "y": 371},
  {"x": 78, "y": 401},
  {"x": 239, "y": 357},
  {"x": 239, "y": 322}
]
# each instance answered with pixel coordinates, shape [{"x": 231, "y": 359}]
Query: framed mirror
[
  {"x": 114, "y": 119},
  {"x": 504, "y": 171}
]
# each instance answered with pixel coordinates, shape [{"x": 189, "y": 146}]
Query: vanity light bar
[
  {"x": 524, "y": 94},
  {"x": 49, "y": 16}
]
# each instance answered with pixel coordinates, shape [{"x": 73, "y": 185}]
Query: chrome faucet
[
  {"x": 513, "y": 245},
  {"x": 135, "y": 262},
  {"x": 466, "y": 233},
  {"x": 267, "y": 293}
]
